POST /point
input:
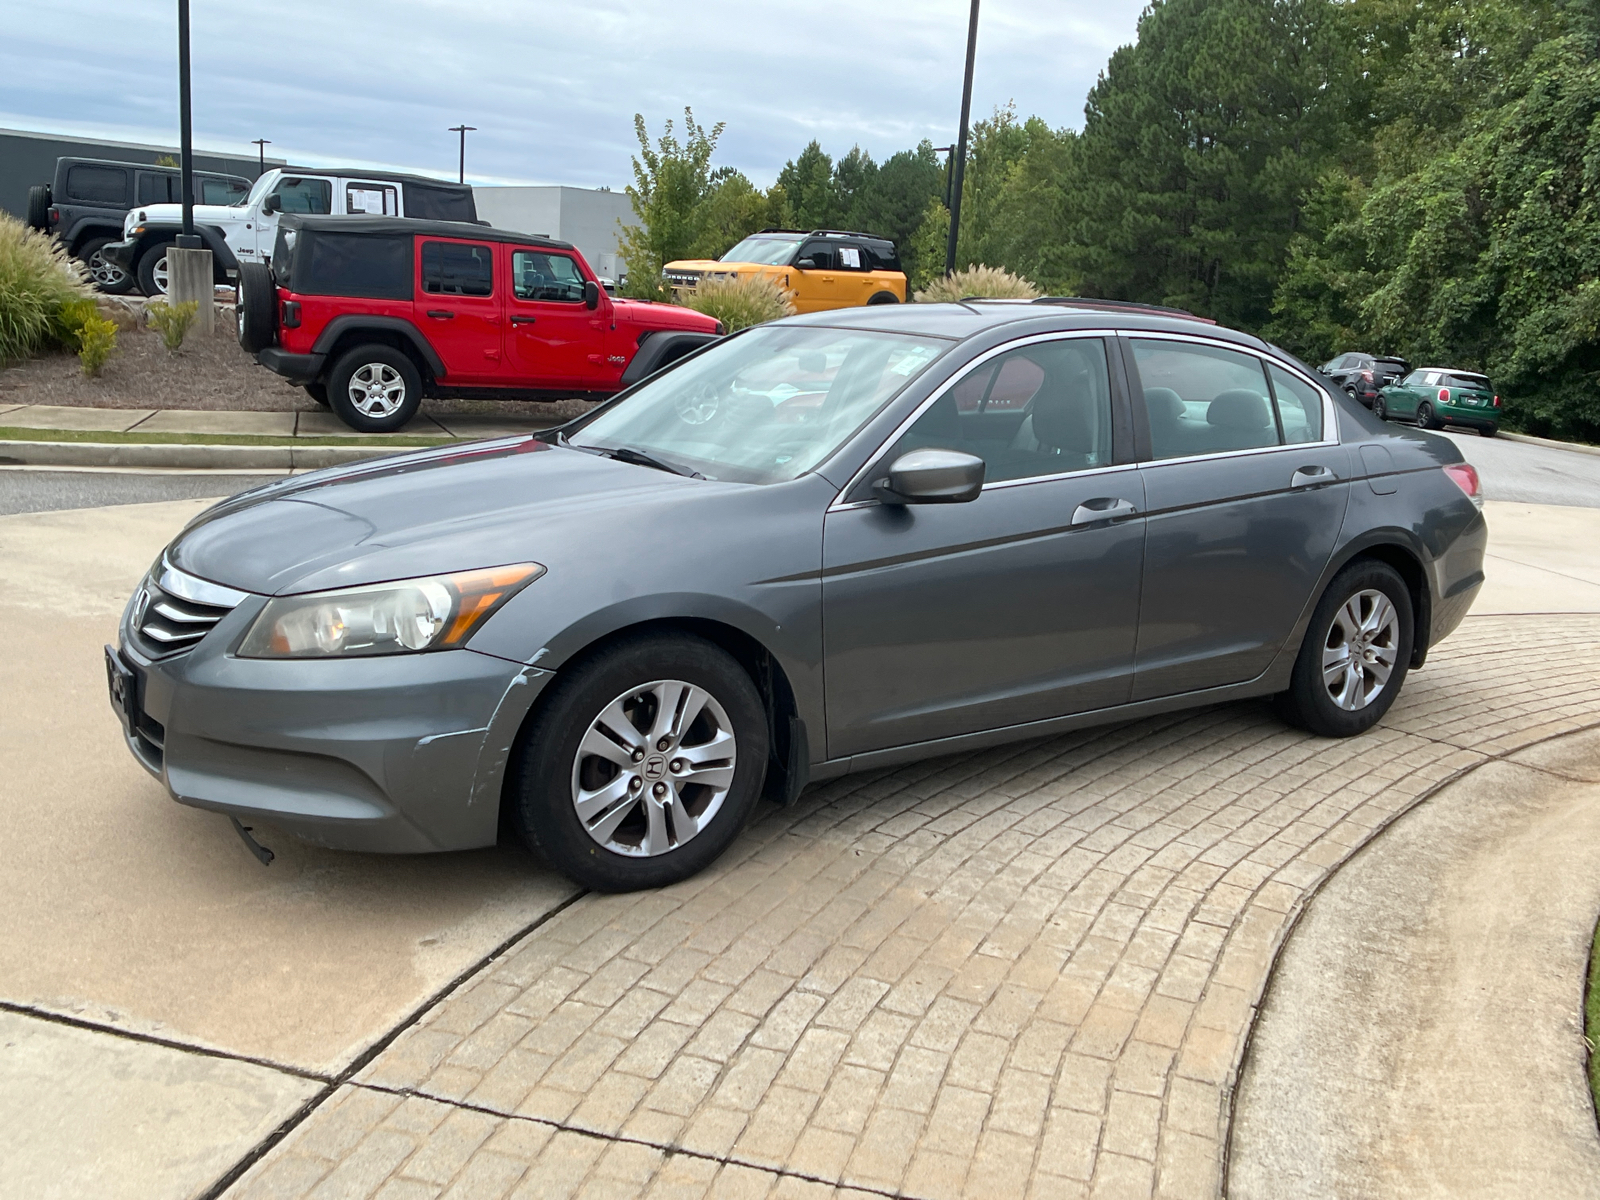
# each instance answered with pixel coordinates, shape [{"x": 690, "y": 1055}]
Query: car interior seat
[
  {"x": 1239, "y": 420},
  {"x": 1172, "y": 434}
]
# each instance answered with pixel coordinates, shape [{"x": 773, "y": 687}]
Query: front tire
[
  {"x": 375, "y": 389},
  {"x": 104, "y": 273},
  {"x": 1357, "y": 650},
  {"x": 643, "y": 764},
  {"x": 1380, "y": 409},
  {"x": 152, "y": 271}
]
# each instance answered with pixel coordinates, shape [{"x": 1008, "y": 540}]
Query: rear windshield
[
  {"x": 1461, "y": 379},
  {"x": 371, "y": 266},
  {"x": 432, "y": 203}
]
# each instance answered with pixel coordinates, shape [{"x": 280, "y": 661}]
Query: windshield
[
  {"x": 768, "y": 251},
  {"x": 1461, "y": 379},
  {"x": 260, "y": 188},
  {"x": 765, "y": 406}
]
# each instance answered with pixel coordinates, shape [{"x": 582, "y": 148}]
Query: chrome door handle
[
  {"x": 1102, "y": 508},
  {"x": 1312, "y": 477}
]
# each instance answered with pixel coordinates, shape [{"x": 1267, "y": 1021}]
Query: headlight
[{"x": 439, "y": 612}]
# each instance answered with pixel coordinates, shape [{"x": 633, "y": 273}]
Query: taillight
[
  {"x": 1497, "y": 401},
  {"x": 55, "y": 216},
  {"x": 291, "y": 314},
  {"x": 1367, "y": 375},
  {"x": 1465, "y": 477},
  {"x": 1444, "y": 395}
]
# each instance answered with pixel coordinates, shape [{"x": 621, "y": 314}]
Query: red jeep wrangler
[{"x": 370, "y": 314}]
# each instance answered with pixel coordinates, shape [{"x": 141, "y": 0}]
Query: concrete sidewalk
[{"x": 319, "y": 424}]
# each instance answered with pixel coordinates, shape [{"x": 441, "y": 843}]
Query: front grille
[
  {"x": 172, "y": 615},
  {"x": 687, "y": 279}
]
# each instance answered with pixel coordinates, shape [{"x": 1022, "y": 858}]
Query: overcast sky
[{"x": 552, "y": 87}]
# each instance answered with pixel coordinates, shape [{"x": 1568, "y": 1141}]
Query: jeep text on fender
[{"x": 370, "y": 314}]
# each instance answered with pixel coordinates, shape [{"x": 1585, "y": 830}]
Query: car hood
[
  {"x": 206, "y": 214},
  {"x": 716, "y": 264},
  {"x": 649, "y": 314},
  {"x": 428, "y": 513}
]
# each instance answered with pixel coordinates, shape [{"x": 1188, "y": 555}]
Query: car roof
[
  {"x": 379, "y": 175},
  {"x": 139, "y": 166},
  {"x": 969, "y": 318},
  {"x": 414, "y": 225}
]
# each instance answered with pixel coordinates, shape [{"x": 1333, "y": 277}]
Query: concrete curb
[
  {"x": 214, "y": 457},
  {"x": 1549, "y": 442}
]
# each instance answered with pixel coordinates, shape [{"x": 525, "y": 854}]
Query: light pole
[
  {"x": 187, "y": 238},
  {"x": 958, "y": 171},
  {"x": 463, "y": 130},
  {"x": 261, "y": 145}
]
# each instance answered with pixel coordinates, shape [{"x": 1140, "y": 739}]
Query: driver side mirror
[
  {"x": 932, "y": 477},
  {"x": 591, "y": 294},
  {"x": 270, "y": 204},
  {"x": 807, "y": 264}
]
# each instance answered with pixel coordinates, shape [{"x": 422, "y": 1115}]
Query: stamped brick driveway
[{"x": 1025, "y": 971}]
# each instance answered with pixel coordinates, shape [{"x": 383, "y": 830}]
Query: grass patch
[
  {"x": 105, "y": 437},
  {"x": 1591, "y": 1017}
]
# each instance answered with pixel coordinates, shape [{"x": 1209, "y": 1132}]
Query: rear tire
[
  {"x": 153, "y": 271},
  {"x": 1488, "y": 430},
  {"x": 257, "y": 307},
  {"x": 1425, "y": 417},
  {"x": 39, "y": 207},
  {"x": 103, "y": 273},
  {"x": 883, "y": 298},
  {"x": 375, "y": 389},
  {"x": 633, "y": 841},
  {"x": 1357, "y": 650}
]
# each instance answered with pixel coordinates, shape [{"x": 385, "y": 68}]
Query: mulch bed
[{"x": 208, "y": 373}]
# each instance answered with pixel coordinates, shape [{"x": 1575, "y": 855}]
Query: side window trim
[
  {"x": 1330, "y": 426},
  {"x": 875, "y": 460}
]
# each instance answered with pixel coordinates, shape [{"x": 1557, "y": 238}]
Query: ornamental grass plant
[
  {"x": 989, "y": 283},
  {"x": 97, "y": 341},
  {"x": 37, "y": 279},
  {"x": 741, "y": 303},
  {"x": 173, "y": 321}
]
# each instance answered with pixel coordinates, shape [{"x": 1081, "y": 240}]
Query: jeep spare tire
[
  {"x": 39, "y": 206},
  {"x": 257, "y": 308}
]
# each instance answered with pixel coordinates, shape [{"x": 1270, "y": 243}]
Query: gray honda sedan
[{"x": 832, "y": 543}]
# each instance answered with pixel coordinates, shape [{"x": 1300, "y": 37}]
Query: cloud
[{"x": 551, "y": 87}]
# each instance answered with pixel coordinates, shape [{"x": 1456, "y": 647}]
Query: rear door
[
  {"x": 1245, "y": 491},
  {"x": 552, "y": 339},
  {"x": 458, "y": 309}
]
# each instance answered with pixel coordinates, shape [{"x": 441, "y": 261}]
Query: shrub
[
  {"x": 173, "y": 320},
  {"x": 67, "y": 322},
  {"x": 37, "y": 277},
  {"x": 741, "y": 303},
  {"x": 97, "y": 338},
  {"x": 990, "y": 283}
]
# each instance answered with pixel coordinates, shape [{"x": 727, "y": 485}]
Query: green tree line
[{"x": 1412, "y": 177}]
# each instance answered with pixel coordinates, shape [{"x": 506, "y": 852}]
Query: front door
[
  {"x": 552, "y": 338},
  {"x": 457, "y": 309},
  {"x": 823, "y": 285},
  {"x": 945, "y": 619},
  {"x": 1245, "y": 498}
]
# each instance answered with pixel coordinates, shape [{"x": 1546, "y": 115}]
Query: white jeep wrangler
[{"x": 246, "y": 231}]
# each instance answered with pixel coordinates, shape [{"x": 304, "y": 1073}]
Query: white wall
[{"x": 591, "y": 220}]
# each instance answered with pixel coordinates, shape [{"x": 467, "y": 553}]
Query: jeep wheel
[
  {"x": 39, "y": 207},
  {"x": 104, "y": 273},
  {"x": 256, "y": 308},
  {"x": 153, "y": 271},
  {"x": 375, "y": 389},
  {"x": 883, "y": 298}
]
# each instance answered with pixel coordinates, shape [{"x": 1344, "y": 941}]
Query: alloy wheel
[
  {"x": 654, "y": 768},
  {"x": 158, "y": 275},
  {"x": 1360, "y": 650},
  {"x": 105, "y": 273},
  {"x": 377, "y": 390}
]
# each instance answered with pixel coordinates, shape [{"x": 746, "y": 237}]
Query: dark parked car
[
  {"x": 828, "y": 544},
  {"x": 1362, "y": 375},
  {"x": 1434, "y": 397},
  {"x": 85, "y": 205}
]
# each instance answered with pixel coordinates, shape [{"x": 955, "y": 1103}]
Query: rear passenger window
[
  {"x": 457, "y": 269},
  {"x": 1299, "y": 406},
  {"x": 371, "y": 199},
  {"x": 1043, "y": 409},
  {"x": 155, "y": 188},
  {"x": 1203, "y": 399},
  {"x": 97, "y": 185},
  {"x": 352, "y": 264}
]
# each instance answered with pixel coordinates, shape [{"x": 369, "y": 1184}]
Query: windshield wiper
[{"x": 639, "y": 458}]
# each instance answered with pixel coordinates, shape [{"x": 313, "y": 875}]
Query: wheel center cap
[{"x": 655, "y": 767}]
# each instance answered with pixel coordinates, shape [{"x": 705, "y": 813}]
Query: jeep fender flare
[
  {"x": 357, "y": 322},
  {"x": 661, "y": 348},
  {"x": 165, "y": 232}
]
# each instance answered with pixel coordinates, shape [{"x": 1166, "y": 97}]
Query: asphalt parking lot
[{"x": 1024, "y": 971}]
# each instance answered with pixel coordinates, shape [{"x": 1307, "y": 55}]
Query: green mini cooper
[{"x": 1434, "y": 397}]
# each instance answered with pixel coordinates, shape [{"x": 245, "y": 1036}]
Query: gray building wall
[
  {"x": 29, "y": 158},
  {"x": 591, "y": 220}
]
